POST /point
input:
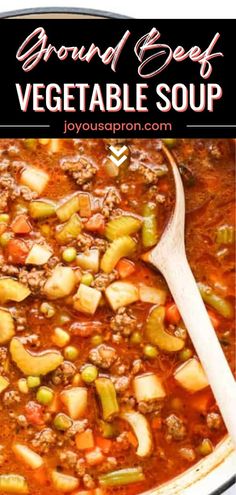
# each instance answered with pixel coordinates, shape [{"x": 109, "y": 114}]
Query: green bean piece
[
  {"x": 225, "y": 234},
  {"x": 108, "y": 430},
  {"x": 149, "y": 227},
  {"x": 221, "y": 305},
  {"x": 122, "y": 477},
  {"x": 107, "y": 395},
  {"x": 62, "y": 422}
]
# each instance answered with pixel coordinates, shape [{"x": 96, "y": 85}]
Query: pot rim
[
  {"x": 107, "y": 15},
  {"x": 63, "y": 10}
]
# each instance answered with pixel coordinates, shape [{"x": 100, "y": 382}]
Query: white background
[{"x": 141, "y": 8}]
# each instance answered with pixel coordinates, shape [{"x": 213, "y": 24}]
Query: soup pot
[{"x": 216, "y": 472}]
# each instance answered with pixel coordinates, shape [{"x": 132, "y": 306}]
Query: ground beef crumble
[
  {"x": 80, "y": 169},
  {"x": 124, "y": 321}
]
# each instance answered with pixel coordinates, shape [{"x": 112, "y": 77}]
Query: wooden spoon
[{"x": 169, "y": 257}]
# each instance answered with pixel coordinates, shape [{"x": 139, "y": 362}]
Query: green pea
[
  {"x": 185, "y": 354},
  {"x": 136, "y": 338},
  {"x": 69, "y": 254},
  {"x": 5, "y": 238},
  {"x": 206, "y": 447},
  {"x": 62, "y": 422},
  {"x": 71, "y": 353},
  {"x": 44, "y": 395},
  {"x": 89, "y": 373},
  {"x": 150, "y": 351},
  {"x": 170, "y": 142},
  {"x": 87, "y": 279},
  {"x": 96, "y": 339},
  {"x": 4, "y": 218},
  {"x": 47, "y": 309},
  {"x": 33, "y": 381}
]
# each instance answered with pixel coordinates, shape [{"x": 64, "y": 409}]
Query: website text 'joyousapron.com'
[{"x": 114, "y": 127}]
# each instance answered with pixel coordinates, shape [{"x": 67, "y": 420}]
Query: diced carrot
[
  {"x": 156, "y": 423},
  {"x": 84, "y": 440},
  {"x": 104, "y": 444},
  {"x": 96, "y": 223},
  {"x": 214, "y": 319},
  {"x": 84, "y": 205},
  {"x": 21, "y": 225},
  {"x": 201, "y": 402},
  {"x": 16, "y": 251},
  {"x": 40, "y": 475},
  {"x": 132, "y": 439},
  {"x": 172, "y": 314},
  {"x": 3, "y": 227},
  {"x": 94, "y": 457},
  {"x": 54, "y": 406},
  {"x": 125, "y": 267}
]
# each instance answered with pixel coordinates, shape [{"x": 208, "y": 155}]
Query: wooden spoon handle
[{"x": 183, "y": 287}]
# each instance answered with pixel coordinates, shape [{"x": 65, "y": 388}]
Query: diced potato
[
  {"x": 68, "y": 208},
  {"x": 34, "y": 364},
  {"x": 148, "y": 387},
  {"x": 12, "y": 290},
  {"x": 89, "y": 260},
  {"x": 152, "y": 295},
  {"x": 7, "y": 328},
  {"x": 191, "y": 376},
  {"x": 64, "y": 482},
  {"x": 28, "y": 456},
  {"x": 13, "y": 483},
  {"x": 61, "y": 283},
  {"x": 34, "y": 178},
  {"x": 121, "y": 294},
  {"x": 38, "y": 255},
  {"x": 75, "y": 399},
  {"x": 4, "y": 382},
  {"x": 142, "y": 430},
  {"x": 87, "y": 299}
]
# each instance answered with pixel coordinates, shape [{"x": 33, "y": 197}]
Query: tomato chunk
[
  {"x": 21, "y": 225},
  {"x": 16, "y": 251}
]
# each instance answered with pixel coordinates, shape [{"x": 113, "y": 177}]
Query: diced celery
[
  {"x": 120, "y": 226},
  {"x": 70, "y": 230},
  {"x": 156, "y": 334},
  {"x": 142, "y": 431},
  {"x": 34, "y": 364},
  {"x": 13, "y": 483},
  {"x": 119, "y": 248},
  {"x": 7, "y": 328},
  {"x": 149, "y": 228},
  {"x": 39, "y": 210},
  {"x": 68, "y": 208}
]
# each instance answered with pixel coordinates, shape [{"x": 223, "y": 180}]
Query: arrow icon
[{"x": 117, "y": 153}]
